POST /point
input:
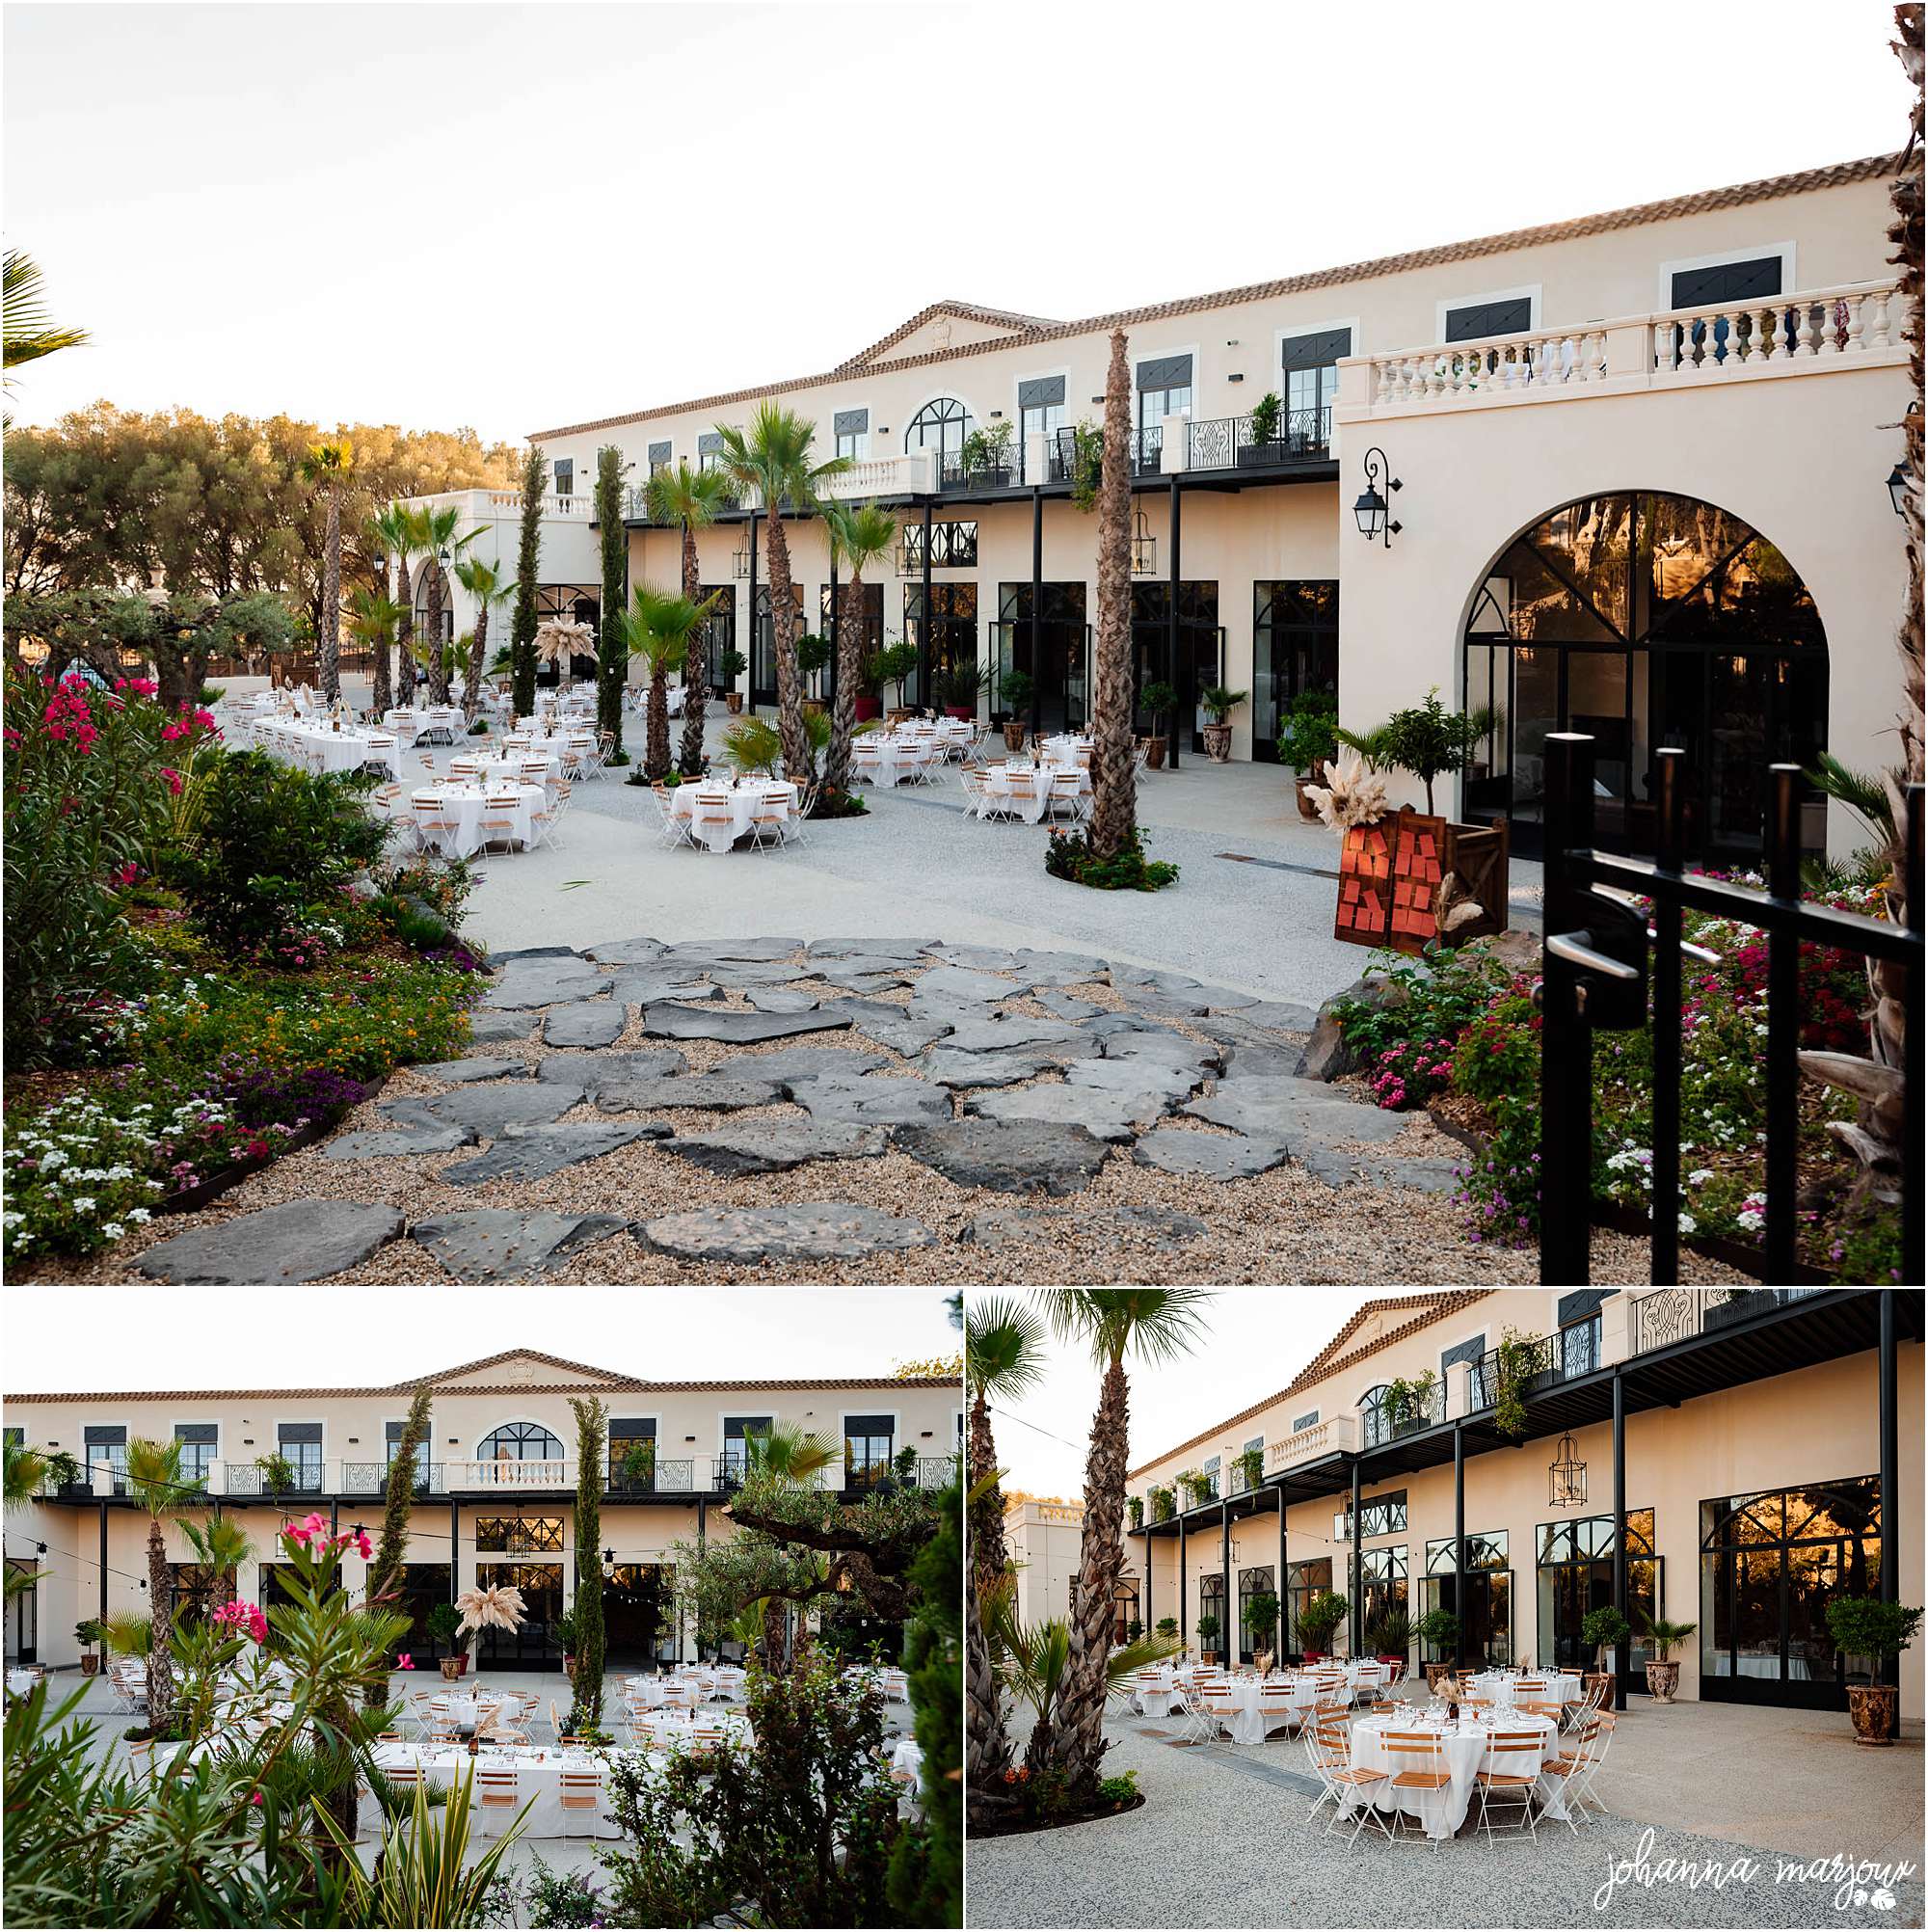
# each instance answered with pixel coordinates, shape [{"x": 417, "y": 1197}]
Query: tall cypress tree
[
  {"x": 591, "y": 1427},
  {"x": 612, "y": 665},
  {"x": 528, "y": 561},
  {"x": 385, "y": 1572}
]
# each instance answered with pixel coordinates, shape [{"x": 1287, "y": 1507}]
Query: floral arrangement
[
  {"x": 316, "y": 1538},
  {"x": 498, "y": 1607},
  {"x": 1353, "y": 795}
]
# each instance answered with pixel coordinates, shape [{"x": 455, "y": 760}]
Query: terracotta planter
[
  {"x": 735, "y": 700},
  {"x": 1219, "y": 743},
  {"x": 90, "y": 1665},
  {"x": 1155, "y": 753},
  {"x": 1435, "y": 1675},
  {"x": 451, "y": 1667},
  {"x": 569, "y": 1669},
  {"x": 1014, "y": 732},
  {"x": 816, "y": 707},
  {"x": 959, "y": 711},
  {"x": 1605, "y": 1700},
  {"x": 1872, "y": 1708},
  {"x": 1663, "y": 1680},
  {"x": 869, "y": 708},
  {"x": 1316, "y": 776}
]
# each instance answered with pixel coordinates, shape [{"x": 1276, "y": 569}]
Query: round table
[
  {"x": 996, "y": 781},
  {"x": 1561, "y": 1686},
  {"x": 1273, "y": 1703},
  {"x": 20, "y": 1683},
  {"x": 743, "y": 800},
  {"x": 468, "y": 805},
  {"x": 1443, "y": 1811},
  {"x": 889, "y": 758},
  {"x": 411, "y": 725},
  {"x": 673, "y": 1728},
  {"x": 311, "y": 742},
  {"x": 509, "y": 771},
  {"x": 538, "y": 1770}
]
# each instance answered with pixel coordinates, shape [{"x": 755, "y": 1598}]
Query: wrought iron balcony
[
  {"x": 1231, "y": 442},
  {"x": 371, "y": 1479},
  {"x": 1542, "y": 1362},
  {"x": 1389, "y": 1412},
  {"x": 1665, "y": 1316},
  {"x": 249, "y": 1479},
  {"x": 1002, "y": 470},
  {"x": 661, "y": 1478}
]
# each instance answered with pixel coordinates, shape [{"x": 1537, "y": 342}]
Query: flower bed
[
  {"x": 1460, "y": 1033},
  {"x": 1069, "y": 856}
]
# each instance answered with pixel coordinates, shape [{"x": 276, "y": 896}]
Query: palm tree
[
  {"x": 323, "y": 468},
  {"x": 483, "y": 581},
  {"x": 389, "y": 531},
  {"x": 1114, "y": 783},
  {"x": 860, "y": 533},
  {"x": 773, "y": 459},
  {"x": 657, "y": 627},
  {"x": 693, "y": 499},
  {"x": 433, "y": 529},
  {"x": 155, "y": 1479},
  {"x": 26, "y": 1471},
  {"x": 373, "y": 618},
  {"x": 220, "y": 1546},
  {"x": 1158, "y": 1324},
  {"x": 28, "y": 334},
  {"x": 1003, "y": 1359}
]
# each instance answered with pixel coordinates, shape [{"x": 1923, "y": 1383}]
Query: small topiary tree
[{"x": 1603, "y": 1630}]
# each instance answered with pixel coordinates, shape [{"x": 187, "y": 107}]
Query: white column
[{"x": 1174, "y": 451}]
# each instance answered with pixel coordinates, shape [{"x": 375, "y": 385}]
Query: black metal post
[
  {"x": 1284, "y": 1597},
  {"x": 1565, "y": 1045},
  {"x": 1619, "y": 1541},
  {"x": 1354, "y": 1626},
  {"x": 1665, "y": 1268},
  {"x": 1784, "y": 1024},
  {"x": 1890, "y": 1458},
  {"x": 1225, "y": 1574},
  {"x": 1150, "y": 1556},
  {"x": 1036, "y": 607},
  {"x": 1183, "y": 1636},
  {"x": 1914, "y": 1263},
  {"x": 923, "y": 628},
  {"x": 454, "y": 1549},
  {"x": 753, "y": 627},
  {"x": 1458, "y": 1547},
  {"x": 832, "y": 684},
  {"x": 103, "y": 1559},
  {"x": 1173, "y": 672},
  {"x": 702, "y": 1540}
]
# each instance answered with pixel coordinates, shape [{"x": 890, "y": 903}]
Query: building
[
  {"x": 494, "y": 1499},
  {"x": 1043, "y": 1537},
  {"x": 1460, "y": 1451},
  {"x": 1636, "y": 466}
]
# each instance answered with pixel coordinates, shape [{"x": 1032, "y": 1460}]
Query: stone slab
[
  {"x": 592, "y": 1071},
  {"x": 1211, "y": 1157},
  {"x": 872, "y": 1100},
  {"x": 298, "y": 1241},
  {"x": 1108, "y": 1116},
  {"x": 515, "y": 953},
  {"x": 494, "y": 1106},
  {"x": 547, "y": 981},
  {"x": 1152, "y": 1080},
  {"x": 962, "y": 983},
  {"x": 1011, "y": 1156},
  {"x": 625, "y": 951},
  {"x": 1082, "y": 1227},
  {"x": 1262, "y": 1062},
  {"x": 904, "y": 1030},
  {"x": 415, "y": 1136},
  {"x": 498, "y": 1029},
  {"x": 1286, "y": 1016},
  {"x": 782, "y": 1000},
  {"x": 790, "y": 1066},
  {"x": 1170, "y": 1049},
  {"x": 472, "y": 1067},
  {"x": 589, "y": 1023},
  {"x": 719, "y": 1091},
  {"x": 725, "y": 949},
  {"x": 1003, "y": 1035},
  {"x": 1296, "y": 1109},
  {"x": 740, "y": 975},
  {"x": 897, "y": 951},
  {"x": 1063, "y": 1006},
  {"x": 531, "y": 1153},
  {"x": 975, "y": 958},
  {"x": 981, "y": 1070},
  {"x": 506, "y": 1243},
  {"x": 1060, "y": 969},
  {"x": 644, "y": 986},
  {"x": 774, "y": 1147},
  {"x": 809, "y": 1231},
  {"x": 667, "y": 1021}
]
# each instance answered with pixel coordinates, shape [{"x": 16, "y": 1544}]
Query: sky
[
  {"x": 1254, "y": 1341},
  {"x": 516, "y": 217},
  {"x": 361, "y": 1338}
]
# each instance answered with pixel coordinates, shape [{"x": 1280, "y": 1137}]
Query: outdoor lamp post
[
  {"x": 1897, "y": 489},
  {"x": 1371, "y": 509}
]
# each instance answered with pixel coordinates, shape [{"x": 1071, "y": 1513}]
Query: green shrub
[
  {"x": 1305, "y": 737},
  {"x": 1069, "y": 856},
  {"x": 1871, "y": 1626},
  {"x": 1118, "y": 1790}
]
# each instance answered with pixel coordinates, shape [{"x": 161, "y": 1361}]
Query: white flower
[
  {"x": 1354, "y": 795},
  {"x": 83, "y": 1203},
  {"x": 112, "y": 1229},
  {"x": 1687, "y": 1223},
  {"x": 139, "y": 1214},
  {"x": 1699, "y": 1177}
]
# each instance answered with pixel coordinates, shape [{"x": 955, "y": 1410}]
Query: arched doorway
[
  {"x": 1647, "y": 619},
  {"x": 941, "y": 425}
]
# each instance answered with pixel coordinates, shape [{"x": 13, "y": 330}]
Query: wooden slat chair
[
  {"x": 1569, "y": 1772},
  {"x": 498, "y": 820},
  {"x": 581, "y": 1801},
  {"x": 499, "y": 1799},
  {"x": 1333, "y": 1760},
  {"x": 712, "y": 809},
  {"x": 770, "y": 820},
  {"x": 1419, "y": 1765},
  {"x": 1509, "y": 1770}
]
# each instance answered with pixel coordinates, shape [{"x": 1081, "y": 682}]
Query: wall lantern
[
  {"x": 1144, "y": 548},
  {"x": 742, "y": 560},
  {"x": 1897, "y": 491},
  {"x": 1566, "y": 1475},
  {"x": 1371, "y": 507}
]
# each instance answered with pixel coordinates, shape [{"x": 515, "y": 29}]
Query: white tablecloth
[
  {"x": 1561, "y": 1687},
  {"x": 673, "y": 1728},
  {"x": 22, "y": 1682},
  {"x": 468, "y": 805},
  {"x": 1297, "y": 1693},
  {"x": 1066, "y": 748},
  {"x": 314, "y": 744},
  {"x": 907, "y": 1760},
  {"x": 1443, "y": 1812},
  {"x": 743, "y": 800},
  {"x": 409, "y": 724},
  {"x": 538, "y": 1772},
  {"x": 889, "y": 758},
  {"x": 998, "y": 783},
  {"x": 509, "y": 771}
]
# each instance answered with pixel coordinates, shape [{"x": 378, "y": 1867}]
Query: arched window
[
  {"x": 520, "y": 1442},
  {"x": 1643, "y": 620},
  {"x": 941, "y": 425}
]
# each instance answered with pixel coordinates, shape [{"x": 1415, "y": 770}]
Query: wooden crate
[
  {"x": 1365, "y": 900},
  {"x": 1480, "y": 856},
  {"x": 1390, "y": 875}
]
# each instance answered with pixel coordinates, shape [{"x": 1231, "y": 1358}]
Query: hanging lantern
[
  {"x": 1567, "y": 1476},
  {"x": 742, "y": 560},
  {"x": 1144, "y": 548}
]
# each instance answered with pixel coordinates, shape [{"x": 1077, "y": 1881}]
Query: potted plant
[
  {"x": 1219, "y": 704},
  {"x": 957, "y": 689},
  {"x": 1402, "y": 1402},
  {"x": 1663, "y": 1674},
  {"x": 1389, "y": 1635},
  {"x": 871, "y": 687},
  {"x": 1164, "y": 1504},
  {"x": 896, "y": 662},
  {"x": 1208, "y": 1638},
  {"x": 1265, "y": 432},
  {"x": 1136, "y": 1503},
  {"x": 442, "y": 1622},
  {"x": 730, "y": 665},
  {"x": 568, "y": 1629},
  {"x": 638, "y": 1467},
  {"x": 1438, "y": 1630},
  {"x": 277, "y": 1473},
  {"x": 1873, "y": 1628},
  {"x": 1516, "y": 1362},
  {"x": 1260, "y": 1622},
  {"x": 1167, "y": 1627},
  {"x": 813, "y": 653},
  {"x": 1133, "y": 1630},
  {"x": 1018, "y": 687},
  {"x": 1603, "y": 1630},
  {"x": 906, "y": 1465},
  {"x": 1250, "y": 1463},
  {"x": 1317, "y": 1621},
  {"x": 88, "y": 1633},
  {"x": 1307, "y": 739},
  {"x": 1197, "y": 1485},
  {"x": 1157, "y": 699}
]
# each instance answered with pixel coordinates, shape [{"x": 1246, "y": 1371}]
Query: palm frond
[
  {"x": 1157, "y": 1325},
  {"x": 1869, "y": 795},
  {"x": 1003, "y": 1347},
  {"x": 28, "y": 334}
]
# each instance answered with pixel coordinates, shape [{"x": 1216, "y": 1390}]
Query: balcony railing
[
  {"x": 1793, "y": 334},
  {"x": 1386, "y": 1414},
  {"x": 936, "y": 1472},
  {"x": 1229, "y": 441},
  {"x": 1664, "y": 1316},
  {"x": 371, "y": 1479},
  {"x": 663, "y": 1479},
  {"x": 247, "y": 1479},
  {"x": 1060, "y": 456},
  {"x": 1564, "y": 1356},
  {"x": 1333, "y": 1436}
]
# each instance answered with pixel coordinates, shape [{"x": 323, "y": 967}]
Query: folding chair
[
  {"x": 768, "y": 818},
  {"x": 972, "y": 779},
  {"x": 581, "y": 1791},
  {"x": 1342, "y": 1781},
  {"x": 671, "y": 830},
  {"x": 500, "y": 1798},
  {"x": 543, "y": 822},
  {"x": 499, "y": 822},
  {"x": 1067, "y": 792},
  {"x": 1567, "y": 1774},
  {"x": 1509, "y": 1768},
  {"x": 1419, "y": 1765},
  {"x": 713, "y": 810}
]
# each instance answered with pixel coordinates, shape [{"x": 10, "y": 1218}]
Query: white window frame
[
  {"x": 542, "y": 1422},
  {"x": 1663, "y": 303},
  {"x": 276, "y": 1448},
  {"x": 105, "y": 1422},
  {"x": 973, "y": 414},
  {"x": 1446, "y": 304},
  {"x": 1156, "y": 352}
]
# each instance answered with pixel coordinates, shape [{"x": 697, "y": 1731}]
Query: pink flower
[
  {"x": 128, "y": 874},
  {"x": 172, "y": 779},
  {"x": 256, "y": 1799},
  {"x": 363, "y": 1549},
  {"x": 404, "y": 1661}
]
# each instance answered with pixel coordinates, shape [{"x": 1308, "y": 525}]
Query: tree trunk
[
  {"x": 797, "y": 759},
  {"x": 405, "y": 635},
  {"x": 179, "y": 676},
  {"x": 328, "y": 634},
  {"x": 478, "y": 651},
  {"x": 160, "y": 1653},
  {"x": 438, "y": 664},
  {"x": 655, "y": 743},
  {"x": 850, "y": 670},
  {"x": 988, "y": 1555},
  {"x": 987, "y": 1747},
  {"x": 774, "y": 1648},
  {"x": 385, "y": 690},
  {"x": 695, "y": 667},
  {"x": 1078, "y": 1744},
  {"x": 1114, "y": 783}
]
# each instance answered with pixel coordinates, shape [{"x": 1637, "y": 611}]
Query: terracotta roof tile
[{"x": 1810, "y": 180}]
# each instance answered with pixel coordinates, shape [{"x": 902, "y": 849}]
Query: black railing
[
  {"x": 1595, "y": 976},
  {"x": 1230, "y": 442},
  {"x": 953, "y": 547},
  {"x": 1002, "y": 470},
  {"x": 1669, "y": 1315},
  {"x": 1738, "y": 1305},
  {"x": 661, "y": 1478},
  {"x": 371, "y": 1479},
  {"x": 245, "y": 1479},
  {"x": 1389, "y": 1413},
  {"x": 936, "y": 1472}
]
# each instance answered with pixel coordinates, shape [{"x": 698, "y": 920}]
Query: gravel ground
[
  {"x": 1283, "y": 1226},
  {"x": 1224, "y": 1839}
]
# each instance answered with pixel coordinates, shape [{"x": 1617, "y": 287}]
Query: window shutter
[
  {"x": 709, "y": 441},
  {"x": 659, "y": 453},
  {"x": 1731, "y": 281},
  {"x": 104, "y": 1438},
  {"x": 1465, "y": 1352},
  {"x": 1165, "y": 372},
  {"x": 1489, "y": 318},
  {"x": 300, "y": 1432},
  {"x": 1583, "y": 1301},
  {"x": 853, "y": 422},
  {"x": 197, "y": 1433},
  {"x": 869, "y": 1425},
  {"x": 1041, "y": 392},
  {"x": 1315, "y": 351},
  {"x": 633, "y": 1432}
]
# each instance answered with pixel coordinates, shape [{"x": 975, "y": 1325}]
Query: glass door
[
  {"x": 535, "y": 1645},
  {"x": 1295, "y": 649}
]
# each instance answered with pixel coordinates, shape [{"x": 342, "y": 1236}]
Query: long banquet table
[{"x": 538, "y": 1770}]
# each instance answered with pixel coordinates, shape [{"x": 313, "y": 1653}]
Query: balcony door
[
  {"x": 1575, "y": 1577},
  {"x": 739, "y": 1431},
  {"x": 870, "y": 1441},
  {"x": 1055, "y": 650},
  {"x": 763, "y": 649},
  {"x": 1295, "y": 650},
  {"x": 639, "y": 1614},
  {"x": 1201, "y": 650}
]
